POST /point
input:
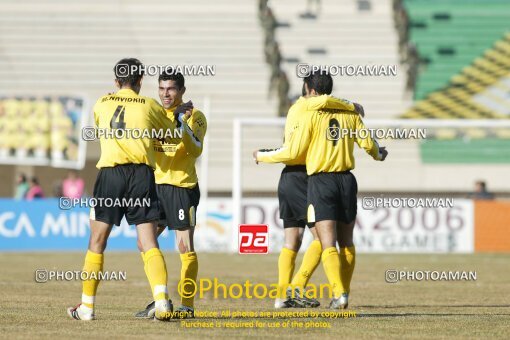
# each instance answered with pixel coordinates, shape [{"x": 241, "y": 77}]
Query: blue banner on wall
[{"x": 42, "y": 225}]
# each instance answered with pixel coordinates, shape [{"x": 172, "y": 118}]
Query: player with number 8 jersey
[{"x": 177, "y": 183}]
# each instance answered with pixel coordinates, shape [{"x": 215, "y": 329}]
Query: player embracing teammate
[
  {"x": 177, "y": 184},
  {"x": 316, "y": 139},
  {"x": 127, "y": 170}
]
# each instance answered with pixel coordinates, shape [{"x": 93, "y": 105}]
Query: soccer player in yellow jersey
[
  {"x": 332, "y": 204},
  {"x": 292, "y": 193},
  {"x": 126, "y": 170},
  {"x": 177, "y": 183}
]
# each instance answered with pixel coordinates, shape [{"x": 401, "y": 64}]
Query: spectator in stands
[
  {"x": 481, "y": 192},
  {"x": 309, "y": 14},
  {"x": 278, "y": 81},
  {"x": 283, "y": 94},
  {"x": 73, "y": 185},
  {"x": 272, "y": 53},
  {"x": 269, "y": 24},
  {"x": 413, "y": 63},
  {"x": 397, "y": 6},
  {"x": 35, "y": 190},
  {"x": 262, "y": 8},
  {"x": 402, "y": 25},
  {"x": 21, "y": 187},
  {"x": 56, "y": 188},
  {"x": 271, "y": 50},
  {"x": 275, "y": 58}
]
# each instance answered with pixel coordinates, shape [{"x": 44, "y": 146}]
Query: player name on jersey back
[
  {"x": 127, "y": 125},
  {"x": 140, "y": 100}
]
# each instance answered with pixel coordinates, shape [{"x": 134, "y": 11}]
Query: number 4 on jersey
[{"x": 117, "y": 121}]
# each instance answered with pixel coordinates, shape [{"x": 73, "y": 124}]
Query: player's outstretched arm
[
  {"x": 330, "y": 102},
  {"x": 367, "y": 142},
  {"x": 295, "y": 148},
  {"x": 193, "y": 137}
]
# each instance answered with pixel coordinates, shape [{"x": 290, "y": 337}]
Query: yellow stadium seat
[{"x": 503, "y": 133}]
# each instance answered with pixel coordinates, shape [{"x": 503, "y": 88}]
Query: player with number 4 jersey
[{"x": 126, "y": 172}]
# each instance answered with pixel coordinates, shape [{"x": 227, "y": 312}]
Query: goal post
[
  {"x": 204, "y": 168},
  {"x": 237, "y": 156}
]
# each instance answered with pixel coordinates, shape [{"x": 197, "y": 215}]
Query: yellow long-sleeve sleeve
[
  {"x": 303, "y": 108},
  {"x": 366, "y": 142},
  {"x": 193, "y": 137},
  {"x": 327, "y": 139},
  {"x": 296, "y": 148}
]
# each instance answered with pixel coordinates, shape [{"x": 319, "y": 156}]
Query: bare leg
[
  {"x": 147, "y": 236},
  {"x": 344, "y": 234},
  {"x": 314, "y": 234},
  {"x": 159, "y": 231},
  {"x": 293, "y": 238},
  {"x": 184, "y": 239},
  {"x": 326, "y": 230},
  {"x": 99, "y": 232}
]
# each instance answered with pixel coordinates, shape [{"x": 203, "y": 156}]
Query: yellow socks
[
  {"x": 156, "y": 273},
  {"x": 347, "y": 262},
  {"x": 93, "y": 264},
  {"x": 189, "y": 271},
  {"x": 286, "y": 263},
  {"x": 145, "y": 270},
  {"x": 310, "y": 262},
  {"x": 331, "y": 263}
]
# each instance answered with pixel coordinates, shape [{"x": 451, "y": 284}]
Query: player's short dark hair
[
  {"x": 481, "y": 183},
  {"x": 128, "y": 71},
  {"x": 320, "y": 81},
  {"x": 175, "y": 76}
]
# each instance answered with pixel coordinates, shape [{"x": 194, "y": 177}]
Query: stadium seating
[
  {"x": 50, "y": 47},
  {"x": 480, "y": 91},
  {"x": 450, "y": 34},
  {"x": 70, "y": 48},
  {"x": 68, "y": 53},
  {"x": 474, "y": 93},
  {"x": 346, "y": 35}
]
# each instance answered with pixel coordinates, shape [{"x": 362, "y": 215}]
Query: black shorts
[
  {"x": 332, "y": 196},
  {"x": 133, "y": 184},
  {"x": 292, "y": 192},
  {"x": 178, "y": 205}
]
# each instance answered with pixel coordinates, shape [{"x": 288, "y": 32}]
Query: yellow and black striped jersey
[
  {"x": 325, "y": 138},
  {"x": 128, "y": 111},
  {"x": 176, "y": 158}
]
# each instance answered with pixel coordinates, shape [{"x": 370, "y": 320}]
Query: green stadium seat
[{"x": 450, "y": 34}]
